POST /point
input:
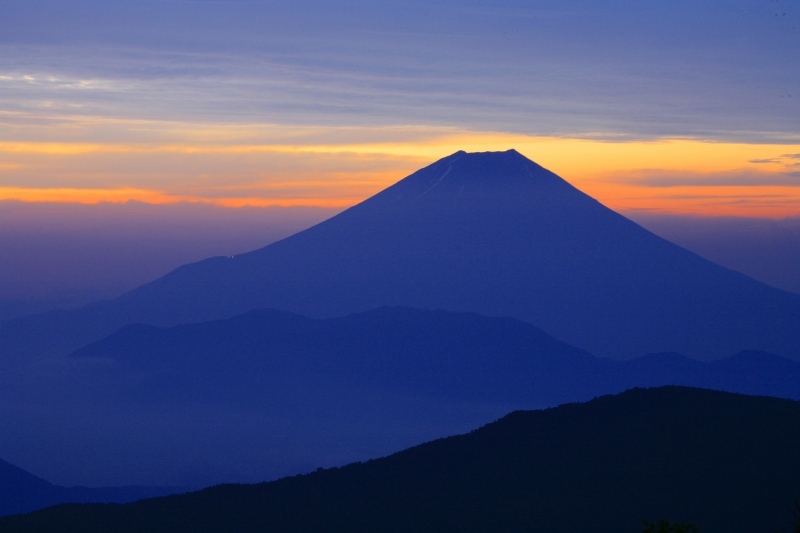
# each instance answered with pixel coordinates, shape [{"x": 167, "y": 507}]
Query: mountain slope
[
  {"x": 726, "y": 462},
  {"x": 491, "y": 233}
]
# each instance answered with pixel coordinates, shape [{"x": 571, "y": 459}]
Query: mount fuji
[{"x": 491, "y": 233}]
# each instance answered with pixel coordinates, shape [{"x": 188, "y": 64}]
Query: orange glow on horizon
[
  {"x": 628, "y": 175},
  {"x": 96, "y": 196},
  {"x": 768, "y": 202}
]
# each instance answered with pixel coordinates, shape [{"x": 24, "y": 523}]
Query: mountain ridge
[{"x": 436, "y": 353}]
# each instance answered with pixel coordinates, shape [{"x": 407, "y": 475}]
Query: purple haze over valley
[{"x": 67, "y": 255}]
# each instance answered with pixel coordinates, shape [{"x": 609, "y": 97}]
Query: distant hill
[
  {"x": 491, "y": 233},
  {"x": 725, "y": 462},
  {"x": 22, "y": 492},
  {"x": 439, "y": 354}
]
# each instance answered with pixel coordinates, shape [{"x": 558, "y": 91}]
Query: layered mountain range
[{"x": 476, "y": 286}]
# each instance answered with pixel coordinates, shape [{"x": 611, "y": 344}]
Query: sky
[{"x": 223, "y": 116}]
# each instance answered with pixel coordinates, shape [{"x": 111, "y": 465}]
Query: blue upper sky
[{"x": 706, "y": 69}]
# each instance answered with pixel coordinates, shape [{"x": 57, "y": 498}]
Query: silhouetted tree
[{"x": 664, "y": 526}]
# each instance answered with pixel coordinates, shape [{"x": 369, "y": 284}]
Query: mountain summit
[{"x": 492, "y": 233}]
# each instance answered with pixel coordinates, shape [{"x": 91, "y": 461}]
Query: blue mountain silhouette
[
  {"x": 491, "y": 233},
  {"x": 495, "y": 234}
]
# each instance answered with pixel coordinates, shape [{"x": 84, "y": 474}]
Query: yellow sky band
[{"x": 616, "y": 173}]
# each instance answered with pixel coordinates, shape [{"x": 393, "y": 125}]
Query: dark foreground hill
[
  {"x": 22, "y": 492},
  {"x": 491, "y": 233},
  {"x": 725, "y": 462}
]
